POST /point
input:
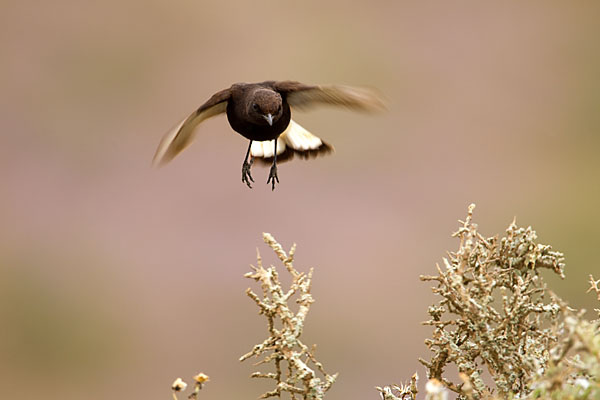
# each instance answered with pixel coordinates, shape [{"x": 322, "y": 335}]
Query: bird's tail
[{"x": 294, "y": 141}]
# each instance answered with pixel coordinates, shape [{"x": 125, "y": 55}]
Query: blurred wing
[
  {"x": 300, "y": 95},
  {"x": 182, "y": 134},
  {"x": 294, "y": 141}
]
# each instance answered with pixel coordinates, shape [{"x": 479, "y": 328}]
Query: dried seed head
[
  {"x": 178, "y": 385},
  {"x": 435, "y": 390},
  {"x": 201, "y": 378}
]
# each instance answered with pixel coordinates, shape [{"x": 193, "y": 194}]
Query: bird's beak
[{"x": 269, "y": 119}]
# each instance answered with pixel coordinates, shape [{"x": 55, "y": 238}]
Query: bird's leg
[
  {"x": 273, "y": 172},
  {"x": 246, "y": 176}
]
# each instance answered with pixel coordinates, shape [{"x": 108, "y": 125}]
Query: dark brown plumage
[{"x": 261, "y": 113}]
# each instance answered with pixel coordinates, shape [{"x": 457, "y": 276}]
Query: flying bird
[{"x": 261, "y": 113}]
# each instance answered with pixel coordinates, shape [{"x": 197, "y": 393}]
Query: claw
[
  {"x": 273, "y": 177},
  {"x": 246, "y": 175}
]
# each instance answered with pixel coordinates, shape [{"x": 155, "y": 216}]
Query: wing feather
[
  {"x": 301, "y": 96},
  {"x": 182, "y": 134}
]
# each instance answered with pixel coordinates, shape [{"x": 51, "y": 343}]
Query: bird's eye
[{"x": 255, "y": 107}]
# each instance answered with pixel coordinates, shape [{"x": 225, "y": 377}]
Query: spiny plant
[
  {"x": 496, "y": 316},
  {"x": 296, "y": 368}
]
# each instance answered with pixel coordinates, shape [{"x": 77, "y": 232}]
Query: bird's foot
[
  {"x": 273, "y": 177},
  {"x": 246, "y": 175}
]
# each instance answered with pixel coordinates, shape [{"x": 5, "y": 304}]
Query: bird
[{"x": 261, "y": 112}]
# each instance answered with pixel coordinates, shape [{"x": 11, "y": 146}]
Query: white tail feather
[
  {"x": 266, "y": 149},
  {"x": 294, "y": 141},
  {"x": 295, "y": 136},
  {"x": 299, "y": 138}
]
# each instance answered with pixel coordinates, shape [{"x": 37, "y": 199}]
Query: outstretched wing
[
  {"x": 182, "y": 134},
  {"x": 300, "y": 95}
]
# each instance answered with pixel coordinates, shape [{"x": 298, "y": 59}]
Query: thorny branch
[
  {"x": 494, "y": 311},
  {"x": 285, "y": 327},
  {"x": 594, "y": 286}
]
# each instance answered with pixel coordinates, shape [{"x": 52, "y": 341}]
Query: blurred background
[{"x": 116, "y": 278}]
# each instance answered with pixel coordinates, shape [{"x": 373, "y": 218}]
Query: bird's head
[{"x": 265, "y": 107}]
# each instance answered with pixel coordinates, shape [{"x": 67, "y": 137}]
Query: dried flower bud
[
  {"x": 201, "y": 378},
  {"x": 179, "y": 385},
  {"x": 435, "y": 390}
]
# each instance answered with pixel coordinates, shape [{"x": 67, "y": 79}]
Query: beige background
[{"x": 115, "y": 278}]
